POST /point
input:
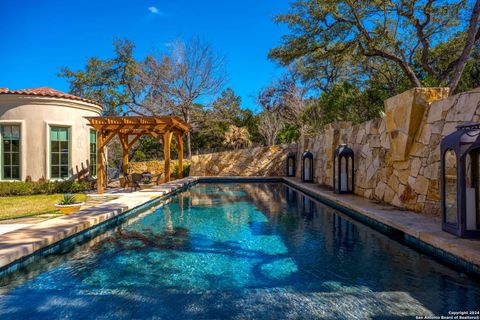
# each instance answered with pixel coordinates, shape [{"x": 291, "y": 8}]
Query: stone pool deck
[
  {"x": 418, "y": 230},
  {"x": 22, "y": 242}
]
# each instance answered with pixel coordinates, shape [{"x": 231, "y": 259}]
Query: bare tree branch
[{"x": 472, "y": 37}]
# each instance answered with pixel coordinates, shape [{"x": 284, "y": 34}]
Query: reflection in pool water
[{"x": 238, "y": 251}]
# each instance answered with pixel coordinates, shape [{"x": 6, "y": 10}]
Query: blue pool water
[{"x": 256, "y": 251}]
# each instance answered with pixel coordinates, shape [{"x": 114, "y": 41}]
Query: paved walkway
[
  {"x": 10, "y": 225},
  {"x": 28, "y": 238}
]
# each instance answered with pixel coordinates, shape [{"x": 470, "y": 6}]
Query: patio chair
[
  {"x": 91, "y": 180},
  {"x": 136, "y": 178},
  {"x": 156, "y": 178},
  {"x": 131, "y": 183}
]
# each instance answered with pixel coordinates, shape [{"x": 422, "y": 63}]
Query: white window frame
[
  {"x": 23, "y": 165},
  {"x": 48, "y": 143},
  {"x": 93, "y": 174}
]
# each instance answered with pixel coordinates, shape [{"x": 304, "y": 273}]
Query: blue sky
[{"x": 39, "y": 36}]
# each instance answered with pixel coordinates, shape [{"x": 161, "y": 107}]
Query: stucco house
[{"x": 44, "y": 134}]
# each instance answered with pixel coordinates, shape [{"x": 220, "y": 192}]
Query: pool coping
[{"x": 21, "y": 246}]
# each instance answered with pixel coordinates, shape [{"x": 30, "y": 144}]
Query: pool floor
[{"x": 237, "y": 250}]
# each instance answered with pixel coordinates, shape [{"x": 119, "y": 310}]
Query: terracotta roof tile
[{"x": 47, "y": 92}]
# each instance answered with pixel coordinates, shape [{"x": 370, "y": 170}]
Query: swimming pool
[{"x": 237, "y": 250}]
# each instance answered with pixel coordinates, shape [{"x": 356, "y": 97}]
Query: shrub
[
  {"x": 16, "y": 188},
  {"x": 20, "y": 188},
  {"x": 186, "y": 170},
  {"x": 72, "y": 186}
]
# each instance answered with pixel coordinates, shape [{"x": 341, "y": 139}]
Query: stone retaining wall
[
  {"x": 261, "y": 161},
  {"x": 397, "y": 157},
  {"x": 153, "y": 166}
]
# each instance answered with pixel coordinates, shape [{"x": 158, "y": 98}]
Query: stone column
[{"x": 404, "y": 115}]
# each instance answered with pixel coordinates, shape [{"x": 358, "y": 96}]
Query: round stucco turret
[{"x": 40, "y": 123}]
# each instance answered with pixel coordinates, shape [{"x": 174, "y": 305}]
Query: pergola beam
[
  {"x": 137, "y": 136},
  {"x": 109, "y": 137}
]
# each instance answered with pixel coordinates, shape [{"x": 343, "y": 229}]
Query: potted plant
[
  {"x": 146, "y": 182},
  {"x": 68, "y": 204}
]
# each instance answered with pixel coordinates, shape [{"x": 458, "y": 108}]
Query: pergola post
[
  {"x": 167, "y": 139},
  {"x": 124, "y": 143},
  {"x": 100, "y": 163},
  {"x": 180, "y": 154}
]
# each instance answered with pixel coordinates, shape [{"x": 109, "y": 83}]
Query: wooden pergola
[{"x": 129, "y": 129}]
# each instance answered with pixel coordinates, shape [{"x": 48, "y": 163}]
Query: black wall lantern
[
  {"x": 291, "y": 158},
  {"x": 460, "y": 178},
  {"x": 307, "y": 166},
  {"x": 343, "y": 170}
]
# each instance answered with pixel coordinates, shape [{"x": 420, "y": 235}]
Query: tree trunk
[
  {"x": 189, "y": 142},
  {"x": 400, "y": 62},
  {"x": 301, "y": 150},
  {"x": 186, "y": 118},
  {"x": 189, "y": 146},
  {"x": 467, "y": 50}
]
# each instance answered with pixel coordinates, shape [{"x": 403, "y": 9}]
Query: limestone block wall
[
  {"x": 407, "y": 175},
  {"x": 154, "y": 166},
  {"x": 261, "y": 161}
]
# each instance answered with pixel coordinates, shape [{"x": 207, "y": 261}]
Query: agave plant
[{"x": 67, "y": 199}]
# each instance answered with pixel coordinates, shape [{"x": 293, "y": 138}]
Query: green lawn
[{"x": 28, "y": 206}]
